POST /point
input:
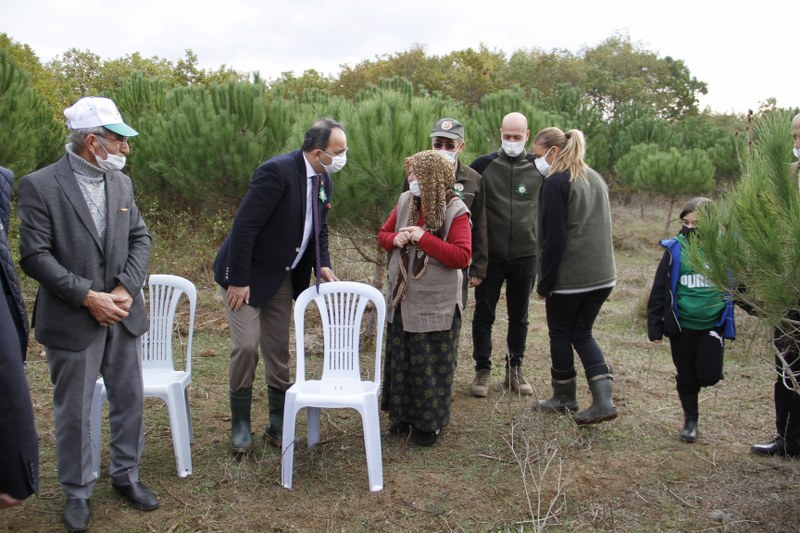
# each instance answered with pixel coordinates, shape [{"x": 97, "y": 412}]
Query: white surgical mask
[
  {"x": 112, "y": 162},
  {"x": 796, "y": 152},
  {"x": 337, "y": 162},
  {"x": 542, "y": 165},
  {"x": 415, "y": 189},
  {"x": 513, "y": 149},
  {"x": 451, "y": 156}
]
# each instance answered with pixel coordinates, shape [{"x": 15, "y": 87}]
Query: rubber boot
[
  {"x": 602, "y": 407},
  {"x": 274, "y": 431},
  {"x": 563, "y": 399},
  {"x": 689, "y": 431},
  {"x": 241, "y": 436},
  {"x": 690, "y": 416}
]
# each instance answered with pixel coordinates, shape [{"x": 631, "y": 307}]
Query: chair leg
[
  {"x": 188, "y": 414},
  {"x": 97, "y": 419},
  {"x": 287, "y": 441},
  {"x": 179, "y": 426},
  {"x": 312, "y": 425},
  {"x": 370, "y": 421}
]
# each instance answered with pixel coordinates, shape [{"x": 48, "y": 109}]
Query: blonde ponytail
[{"x": 572, "y": 146}]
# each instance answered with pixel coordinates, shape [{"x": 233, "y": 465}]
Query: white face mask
[
  {"x": 337, "y": 162},
  {"x": 513, "y": 149},
  {"x": 796, "y": 152},
  {"x": 415, "y": 189},
  {"x": 112, "y": 162},
  {"x": 542, "y": 165},
  {"x": 451, "y": 156}
]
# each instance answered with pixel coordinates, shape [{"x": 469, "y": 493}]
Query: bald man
[{"x": 511, "y": 188}]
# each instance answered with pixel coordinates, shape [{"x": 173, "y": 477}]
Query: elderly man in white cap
[{"x": 83, "y": 239}]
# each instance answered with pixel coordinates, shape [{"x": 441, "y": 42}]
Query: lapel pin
[{"x": 123, "y": 209}]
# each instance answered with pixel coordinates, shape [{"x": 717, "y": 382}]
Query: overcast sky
[{"x": 746, "y": 51}]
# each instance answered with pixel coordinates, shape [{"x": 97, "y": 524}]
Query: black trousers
[
  {"x": 698, "y": 359},
  {"x": 570, "y": 319},
  {"x": 787, "y": 401},
  {"x": 518, "y": 276}
]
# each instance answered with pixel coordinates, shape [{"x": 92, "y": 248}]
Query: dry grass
[{"x": 499, "y": 466}]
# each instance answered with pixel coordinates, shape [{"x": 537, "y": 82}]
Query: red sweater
[{"x": 455, "y": 252}]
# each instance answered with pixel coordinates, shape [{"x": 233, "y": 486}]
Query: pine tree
[
  {"x": 29, "y": 135},
  {"x": 750, "y": 236},
  {"x": 675, "y": 174}
]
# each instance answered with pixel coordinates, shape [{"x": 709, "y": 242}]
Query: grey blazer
[{"x": 60, "y": 248}]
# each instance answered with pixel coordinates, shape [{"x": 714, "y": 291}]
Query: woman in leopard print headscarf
[{"x": 428, "y": 234}]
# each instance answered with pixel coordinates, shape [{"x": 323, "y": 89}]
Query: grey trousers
[
  {"x": 268, "y": 327},
  {"x": 113, "y": 354}
]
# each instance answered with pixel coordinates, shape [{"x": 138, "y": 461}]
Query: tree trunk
[{"x": 669, "y": 215}]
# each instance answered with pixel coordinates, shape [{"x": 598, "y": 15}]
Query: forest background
[{"x": 202, "y": 133}]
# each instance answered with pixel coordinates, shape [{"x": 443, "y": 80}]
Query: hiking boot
[
  {"x": 515, "y": 380},
  {"x": 480, "y": 385}
]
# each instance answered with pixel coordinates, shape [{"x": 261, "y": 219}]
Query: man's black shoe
[
  {"x": 138, "y": 495},
  {"x": 776, "y": 446},
  {"x": 77, "y": 514}
]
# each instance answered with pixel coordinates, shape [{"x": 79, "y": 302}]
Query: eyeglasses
[
  {"x": 120, "y": 144},
  {"x": 449, "y": 145},
  {"x": 336, "y": 154}
]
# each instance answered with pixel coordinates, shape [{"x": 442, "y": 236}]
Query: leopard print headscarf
[{"x": 436, "y": 179}]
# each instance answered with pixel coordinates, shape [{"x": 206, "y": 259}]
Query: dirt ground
[{"x": 498, "y": 466}]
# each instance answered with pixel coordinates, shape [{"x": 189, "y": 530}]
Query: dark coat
[
  {"x": 268, "y": 230},
  {"x": 19, "y": 444},
  {"x": 662, "y": 306}
]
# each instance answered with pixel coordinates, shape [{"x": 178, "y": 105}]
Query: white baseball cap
[{"x": 96, "y": 111}]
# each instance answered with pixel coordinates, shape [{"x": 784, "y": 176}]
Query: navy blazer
[{"x": 268, "y": 230}]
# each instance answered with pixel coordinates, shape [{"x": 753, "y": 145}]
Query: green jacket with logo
[{"x": 511, "y": 190}]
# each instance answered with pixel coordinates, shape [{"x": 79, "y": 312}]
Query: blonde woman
[{"x": 576, "y": 270}]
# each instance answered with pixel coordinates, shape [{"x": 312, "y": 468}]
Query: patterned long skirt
[{"x": 418, "y": 374}]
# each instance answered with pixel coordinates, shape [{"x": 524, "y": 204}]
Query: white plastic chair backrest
[
  {"x": 341, "y": 306},
  {"x": 165, "y": 293}
]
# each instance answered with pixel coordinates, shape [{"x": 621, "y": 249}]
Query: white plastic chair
[
  {"x": 341, "y": 305},
  {"x": 159, "y": 375}
]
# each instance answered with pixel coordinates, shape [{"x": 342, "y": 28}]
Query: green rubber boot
[
  {"x": 563, "y": 400},
  {"x": 241, "y": 436},
  {"x": 274, "y": 431},
  {"x": 602, "y": 407}
]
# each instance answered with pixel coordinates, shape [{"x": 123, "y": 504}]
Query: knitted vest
[{"x": 430, "y": 301}]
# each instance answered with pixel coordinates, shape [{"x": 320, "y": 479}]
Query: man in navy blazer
[{"x": 266, "y": 261}]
